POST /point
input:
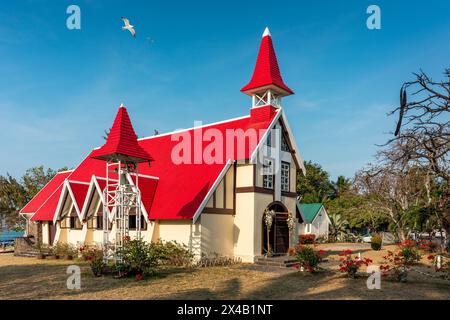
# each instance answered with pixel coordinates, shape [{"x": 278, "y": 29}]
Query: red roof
[
  {"x": 182, "y": 187},
  {"x": 266, "y": 71},
  {"x": 45, "y": 192},
  {"x": 48, "y": 208},
  {"x": 79, "y": 191},
  {"x": 122, "y": 141}
]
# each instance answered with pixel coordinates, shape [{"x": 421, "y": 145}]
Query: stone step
[{"x": 282, "y": 262}]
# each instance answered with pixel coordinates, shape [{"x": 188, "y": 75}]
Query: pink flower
[{"x": 139, "y": 277}]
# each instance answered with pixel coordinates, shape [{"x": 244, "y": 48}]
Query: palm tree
[{"x": 341, "y": 186}]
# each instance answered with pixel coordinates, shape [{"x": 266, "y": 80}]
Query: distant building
[{"x": 315, "y": 219}]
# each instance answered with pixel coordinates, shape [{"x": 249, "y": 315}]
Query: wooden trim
[
  {"x": 214, "y": 198},
  {"x": 289, "y": 194},
  {"x": 218, "y": 211},
  {"x": 254, "y": 175},
  {"x": 225, "y": 190},
  {"x": 234, "y": 185},
  {"x": 254, "y": 189}
]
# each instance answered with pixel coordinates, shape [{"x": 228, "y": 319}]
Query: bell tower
[{"x": 266, "y": 86}]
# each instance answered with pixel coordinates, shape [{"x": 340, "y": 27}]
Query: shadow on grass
[
  {"x": 49, "y": 279},
  {"x": 336, "y": 286}
]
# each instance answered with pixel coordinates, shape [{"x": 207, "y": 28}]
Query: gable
[{"x": 309, "y": 211}]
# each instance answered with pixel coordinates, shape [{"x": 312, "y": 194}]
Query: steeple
[
  {"x": 266, "y": 86},
  {"x": 122, "y": 143}
]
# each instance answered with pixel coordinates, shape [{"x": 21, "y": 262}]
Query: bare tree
[
  {"x": 391, "y": 193},
  {"x": 422, "y": 137}
]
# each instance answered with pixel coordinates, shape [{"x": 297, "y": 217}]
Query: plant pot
[
  {"x": 41, "y": 256},
  {"x": 55, "y": 256},
  {"x": 68, "y": 257}
]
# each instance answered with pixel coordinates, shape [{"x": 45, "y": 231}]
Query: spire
[
  {"x": 267, "y": 73},
  {"x": 122, "y": 143}
]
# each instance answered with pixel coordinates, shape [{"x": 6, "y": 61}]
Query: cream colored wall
[
  {"x": 217, "y": 234},
  {"x": 244, "y": 175},
  {"x": 243, "y": 232},
  {"x": 175, "y": 230},
  {"x": 76, "y": 236}
]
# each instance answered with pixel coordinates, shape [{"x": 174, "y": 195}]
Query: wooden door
[{"x": 281, "y": 234}]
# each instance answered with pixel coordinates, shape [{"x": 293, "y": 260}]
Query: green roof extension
[{"x": 309, "y": 210}]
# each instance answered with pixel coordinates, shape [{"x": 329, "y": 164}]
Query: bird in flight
[{"x": 128, "y": 26}]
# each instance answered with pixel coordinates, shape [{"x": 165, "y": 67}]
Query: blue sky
[{"x": 60, "y": 88}]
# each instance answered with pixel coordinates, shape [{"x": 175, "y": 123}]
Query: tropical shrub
[
  {"x": 308, "y": 258},
  {"x": 376, "y": 242},
  {"x": 339, "y": 228},
  {"x": 397, "y": 264},
  {"x": 307, "y": 238},
  {"x": 350, "y": 265}
]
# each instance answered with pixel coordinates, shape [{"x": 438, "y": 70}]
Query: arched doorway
[{"x": 279, "y": 232}]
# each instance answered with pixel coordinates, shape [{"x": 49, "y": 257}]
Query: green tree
[
  {"x": 315, "y": 186},
  {"x": 36, "y": 178},
  {"x": 14, "y": 194},
  {"x": 12, "y": 199}
]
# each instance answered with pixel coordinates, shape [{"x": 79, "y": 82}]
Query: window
[
  {"x": 99, "y": 222},
  {"x": 268, "y": 174},
  {"x": 269, "y": 139},
  {"x": 285, "y": 169},
  {"x": 132, "y": 222},
  {"x": 284, "y": 144},
  {"x": 75, "y": 223}
]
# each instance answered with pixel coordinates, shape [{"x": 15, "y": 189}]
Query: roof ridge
[{"x": 192, "y": 128}]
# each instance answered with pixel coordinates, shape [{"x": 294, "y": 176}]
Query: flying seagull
[{"x": 128, "y": 26}]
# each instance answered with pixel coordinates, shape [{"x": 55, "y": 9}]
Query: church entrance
[{"x": 277, "y": 239}]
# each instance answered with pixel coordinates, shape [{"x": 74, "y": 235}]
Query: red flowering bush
[
  {"x": 397, "y": 264},
  {"x": 350, "y": 265},
  {"x": 307, "y": 239},
  {"x": 308, "y": 258},
  {"x": 95, "y": 258},
  {"x": 428, "y": 246}
]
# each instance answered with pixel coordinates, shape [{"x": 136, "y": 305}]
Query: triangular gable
[
  {"x": 280, "y": 116},
  {"x": 147, "y": 185},
  {"x": 96, "y": 185},
  {"x": 76, "y": 191}
]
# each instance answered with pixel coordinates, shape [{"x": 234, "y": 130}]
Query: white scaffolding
[{"x": 120, "y": 197}]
